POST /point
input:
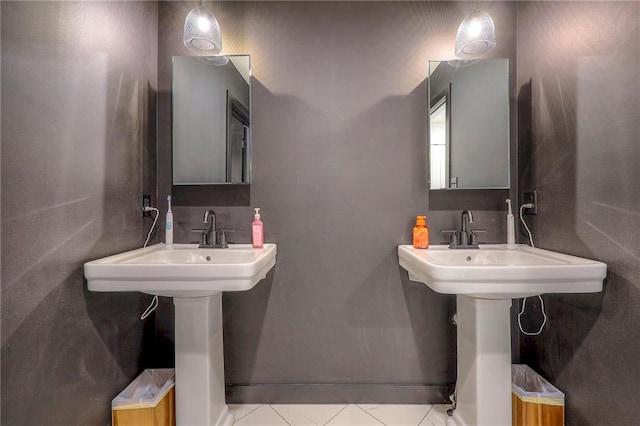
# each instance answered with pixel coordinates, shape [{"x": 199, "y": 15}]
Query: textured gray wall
[
  {"x": 339, "y": 142},
  {"x": 78, "y": 150},
  {"x": 579, "y": 86}
]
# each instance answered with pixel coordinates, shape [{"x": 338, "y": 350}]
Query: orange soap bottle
[{"x": 421, "y": 233}]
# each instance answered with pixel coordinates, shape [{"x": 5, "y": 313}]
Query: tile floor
[{"x": 339, "y": 415}]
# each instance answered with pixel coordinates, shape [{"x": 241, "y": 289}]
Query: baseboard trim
[{"x": 338, "y": 394}]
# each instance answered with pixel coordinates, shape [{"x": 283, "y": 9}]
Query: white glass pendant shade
[
  {"x": 476, "y": 35},
  {"x": 202, "y": 32}
]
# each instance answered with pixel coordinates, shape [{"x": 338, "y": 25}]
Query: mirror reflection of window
[{"x": 438, "y": 138}]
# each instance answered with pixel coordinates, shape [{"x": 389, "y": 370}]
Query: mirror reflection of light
[{"x": 203, "y": 24}]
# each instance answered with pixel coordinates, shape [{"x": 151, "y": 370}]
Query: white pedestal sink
[
  {"x": 485, "y": 281},
  {"x": 195, "y": 278}
]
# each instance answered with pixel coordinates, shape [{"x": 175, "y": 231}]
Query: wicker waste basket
[
  {"x": 534, "y": 401},
  {"x": 148, "y": 401}
]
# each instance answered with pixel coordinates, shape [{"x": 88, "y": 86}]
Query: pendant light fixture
[
  {"x": 476, "y": 35},
  {"x": 202, "y": 32}
]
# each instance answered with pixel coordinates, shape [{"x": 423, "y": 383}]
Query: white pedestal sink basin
[
  {"x": 181, "y": 270},
  {"x": 195, "y": 278},
  {"x": 485, "y": 281}
]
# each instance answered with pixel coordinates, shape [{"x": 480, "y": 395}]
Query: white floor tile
[
  {"x": 352, "y": 415},
  {"x": 263, "y": 416},
  {"x": 301, "y": 414},
  {"x": 397, "y": 415},
  {"x": 437, "y": 416},
  {"x": 241, "y": 410}
]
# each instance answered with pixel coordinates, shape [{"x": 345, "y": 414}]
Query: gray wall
[
  {"x": 339, "y": 115},
  {"x": 78, "y": 151},
  {"x": 579, "y": 88}
]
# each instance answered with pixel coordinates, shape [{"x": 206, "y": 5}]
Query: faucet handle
[
  {"x": 454, "y": 236},
  {"x": 203, "y": 235},
  {"x": 473, "y": 235},
  {"x": 223, "y": 236}
]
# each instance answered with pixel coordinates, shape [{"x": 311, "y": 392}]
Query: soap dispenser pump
[
  {"x": 257, "y": 230},
  {"x": 511, "y": 228}
]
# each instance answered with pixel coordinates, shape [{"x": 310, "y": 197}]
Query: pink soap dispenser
[{"x": 257, "y": 230}]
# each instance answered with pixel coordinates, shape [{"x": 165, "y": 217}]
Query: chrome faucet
[
  {"x": 209, "y": 236},
  {"x": 210, "y": 219},
  {"x": 464, "y": 234},
  {"x": 468, "y": 238}
]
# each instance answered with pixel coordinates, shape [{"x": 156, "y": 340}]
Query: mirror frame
[
  {"x": 222, "y": 193},
  {"x": 509, "y": 131},
  {"x": 233, "y": 107}
]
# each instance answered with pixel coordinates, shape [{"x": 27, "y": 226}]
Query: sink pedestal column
[
  {"x": 200, "y": 398},
  {"x": 484, "y": 362}
]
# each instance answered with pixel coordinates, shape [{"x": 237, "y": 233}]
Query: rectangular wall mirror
[
  {"x": 211, "y": 120},
  {"x": 469, "y": 124}
]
